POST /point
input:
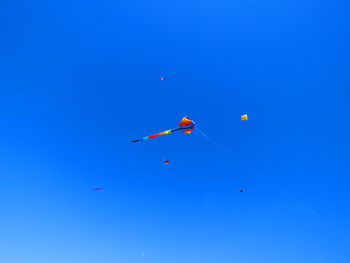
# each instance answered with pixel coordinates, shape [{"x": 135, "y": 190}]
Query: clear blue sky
[{"x": 80, "y": 79}]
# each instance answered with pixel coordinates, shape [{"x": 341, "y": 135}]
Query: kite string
[{"x": 281, "y": 190}]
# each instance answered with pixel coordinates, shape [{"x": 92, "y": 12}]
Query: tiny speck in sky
[{"x": 97, "y": 189}]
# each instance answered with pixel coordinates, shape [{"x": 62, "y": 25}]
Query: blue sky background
[{"x": 80, "y": 79}]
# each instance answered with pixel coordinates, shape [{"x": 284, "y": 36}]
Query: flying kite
[
  {"x": 244, "y": 117},
  {"x": 240, "y": 190},
  {"x": 186, "y": 125},
  {"x": 161, "y": 78},
  {"x": 97, "y": 189},
  {"x": 166, "y": 161}
]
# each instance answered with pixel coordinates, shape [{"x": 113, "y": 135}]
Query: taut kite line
[{"x": 186, "y": 125}]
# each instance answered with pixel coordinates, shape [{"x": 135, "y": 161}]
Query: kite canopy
[
  {"x": 186, "y": 122},
  {"x": 166, "y": 161}
]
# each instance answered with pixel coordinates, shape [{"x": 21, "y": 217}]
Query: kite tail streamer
[
  {"x": 186, "y": 125},
  {"x": 279, "y": 189}
]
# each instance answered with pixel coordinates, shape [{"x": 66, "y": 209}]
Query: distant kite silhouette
[
  {"x": 97, "y": 189},
  {"x": 244, "y": 117}
]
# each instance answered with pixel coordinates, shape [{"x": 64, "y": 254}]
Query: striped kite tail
[{"x": 153, "y": 136}]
